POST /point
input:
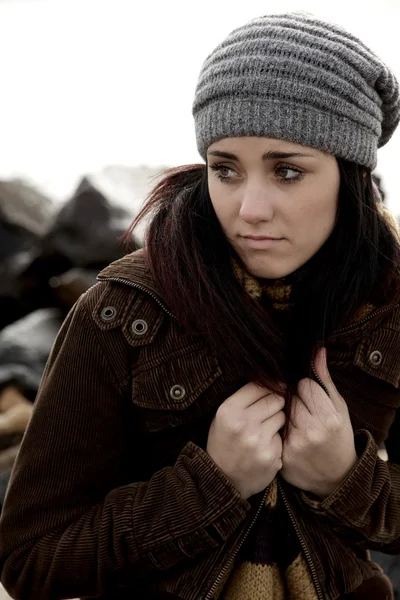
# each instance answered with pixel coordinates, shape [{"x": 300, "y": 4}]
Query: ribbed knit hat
[{"x": 296, "y": 78}]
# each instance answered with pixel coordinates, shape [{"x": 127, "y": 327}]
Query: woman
[{"x": 209, "y": 419}]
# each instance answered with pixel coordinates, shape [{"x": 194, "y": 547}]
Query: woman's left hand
[{"x": 319, "y": 450}]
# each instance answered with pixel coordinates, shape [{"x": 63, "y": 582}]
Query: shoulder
[{"x": 126, "y": 297}]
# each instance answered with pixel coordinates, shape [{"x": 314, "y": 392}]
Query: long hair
[{"x": 192, "y": 262}]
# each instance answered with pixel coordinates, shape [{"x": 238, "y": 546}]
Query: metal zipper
[
  {"x": 235, "y": 553},
  {"x": 304, "y": 548},
  {"x": 346, "y": 329},
  {"x": 318, "y": 379},
  {"x": 365, "y": 320},
  {"x": 165, "y": 309},
  {"x": 303, "y": 545},
  {"x": 142, "y": 289}
]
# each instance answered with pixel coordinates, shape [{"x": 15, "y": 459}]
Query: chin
[{"x": 269, "y": 271}]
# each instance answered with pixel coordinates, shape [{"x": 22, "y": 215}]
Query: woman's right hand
[{"x": 244, "y": 439}]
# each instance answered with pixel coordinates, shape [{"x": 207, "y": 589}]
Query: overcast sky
[{"x": 89, "y": 83}]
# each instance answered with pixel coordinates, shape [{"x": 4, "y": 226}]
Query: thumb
[{"x": 321, "y": 369}]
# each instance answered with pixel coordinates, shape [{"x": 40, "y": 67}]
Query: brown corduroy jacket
[{"x": 113, "y": 495}]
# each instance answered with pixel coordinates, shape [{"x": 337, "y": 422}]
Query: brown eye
[
  {"x": 223, "y": 173},
  {"x": 288, "y": 174}
]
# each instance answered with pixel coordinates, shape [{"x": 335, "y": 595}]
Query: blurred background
[
  {"x": 95, "y": 102},
  {"x": 92, "y": 83}
]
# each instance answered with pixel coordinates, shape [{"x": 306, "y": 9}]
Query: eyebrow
[{"x": 265, "y": 156}]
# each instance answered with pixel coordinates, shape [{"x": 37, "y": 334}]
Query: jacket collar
[{"x": 134, "y": 270}]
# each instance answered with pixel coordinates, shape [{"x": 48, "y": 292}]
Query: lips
[
  {"x": 259, "y": 237},
  {"x": 259, "y": 242}
]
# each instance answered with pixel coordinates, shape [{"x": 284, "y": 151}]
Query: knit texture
[
  {"x": 279, "y": 292},
  {"x": 271, "y": 565},
  {"x": 300, "y": 79}
]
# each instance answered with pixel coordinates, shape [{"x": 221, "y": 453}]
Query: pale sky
[{"x": 92, "y": 83}]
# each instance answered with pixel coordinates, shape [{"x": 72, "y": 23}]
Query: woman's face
[{"x": 276, "y": 201}]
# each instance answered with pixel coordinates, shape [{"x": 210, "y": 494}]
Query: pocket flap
[
  {"x": 378, "y": 354},
  {"x": 177, "y": 383},
  {"x": 137, "y": 315}
]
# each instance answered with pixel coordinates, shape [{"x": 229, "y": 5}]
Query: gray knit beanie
[{"x": 296, "y": 78}]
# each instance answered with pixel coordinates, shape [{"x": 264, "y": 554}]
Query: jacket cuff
[
  {"x": 224, "y": 511},
  {"x": 341, "y": 503},
  {"x": 216, "y": 485}
]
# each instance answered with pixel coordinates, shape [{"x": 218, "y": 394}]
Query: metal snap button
[
  {"x": 108, "y": 313},
  {"x": 177, "y": 392},
  {"x": 375, "y": 358},
  {"x": 139, "y": 327}
]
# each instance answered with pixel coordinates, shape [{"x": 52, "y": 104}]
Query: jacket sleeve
[
  {"x": 75, "y": 521},
  {"x": 366, "y": 506}
]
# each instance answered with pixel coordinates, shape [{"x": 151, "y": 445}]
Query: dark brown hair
[{"x": 192, "y": 263}]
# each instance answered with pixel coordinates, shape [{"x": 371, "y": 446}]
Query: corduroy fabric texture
[
  {"x": 115, "y": 498},
  {"x": 296, "y": 78}
]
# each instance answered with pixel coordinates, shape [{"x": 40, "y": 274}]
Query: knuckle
[
  {"x": 252, "y": 389},
  {"x": 315, "y": 437},
  {"x": 222, "y": 412},
  {"x": 259, "y": 391},
  {"x": 231, "y": 422},
  {"x": 276, "y": 402},
  {"x": 308, "y": 384},
  {"x": 236, "y": 426},
  {"x": 303, "y": 387},
  {"x": 251, "y": 440},
  {"x": 333, "y": 423},
  {"x": 267, "y": 456}
]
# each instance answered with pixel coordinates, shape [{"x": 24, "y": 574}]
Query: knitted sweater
[{"x": 270, "y": 565}]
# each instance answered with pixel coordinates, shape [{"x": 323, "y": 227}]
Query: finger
[
  {"x": 274, "y": 423},
  {"x": 314, "y": 398},
  {"x": 299, "y": 412},
  {"x": 321, "y": 368},
  {"x": 277, "y": 447},
  {"x": 247, "y": 395},
  {"x": 265, "y": 407}
]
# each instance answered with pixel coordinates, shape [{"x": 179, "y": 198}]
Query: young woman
[{"x": 209, "y": 420}]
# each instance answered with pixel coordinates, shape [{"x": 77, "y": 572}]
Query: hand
[
  {"x": 319, "y": 450},
  {"x": 244, "y": 439}
]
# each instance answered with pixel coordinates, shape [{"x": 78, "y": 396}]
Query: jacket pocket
[
  {"x": 175, "y": 391},
  {"x": 378, "y": 355}
]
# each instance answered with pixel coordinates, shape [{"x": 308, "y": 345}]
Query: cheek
[
  {"x": 315, "y": 220},
  {"x": 224, "y": 205}
]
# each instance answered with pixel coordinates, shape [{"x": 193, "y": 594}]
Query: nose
[{"x": 256, "y": 205}]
